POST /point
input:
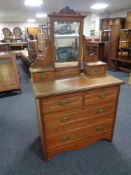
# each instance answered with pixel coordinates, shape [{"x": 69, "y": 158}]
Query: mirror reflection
[{"x": 66, "y": 38}]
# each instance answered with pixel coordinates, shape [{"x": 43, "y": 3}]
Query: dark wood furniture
[
  {"x": 110, "y": 35},
  {"x": 4, "y": 47},
  {"x": 74, "y": 109},
  {"x": 9, "y": 76}
]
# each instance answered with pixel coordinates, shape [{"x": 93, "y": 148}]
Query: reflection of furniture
[
  {"x": 41, "y": 41},
  {"x": 123, "y": 60},
  {"x": 8, "y": 37},
  {"x": 74, "y": 109},
  {"x": 5, "y": 47},
  {"x": 17, "y": 33},
  {"x": 9, "y": 76}
]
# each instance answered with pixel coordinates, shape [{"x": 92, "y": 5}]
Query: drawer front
[
  {"x": 96, "y": 70},
  {"x": 60, "y": 122},
  {"x": 62, "y": 103},
  {"x": 101, "y": 95},
  {"x": 78, "y": 134},
  {"x": 42, "y": 76}
]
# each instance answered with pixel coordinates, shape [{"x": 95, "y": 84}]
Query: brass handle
[
  {"x": 65, "y": 138},
  {"x": 103, "y": 95},
  {"x": 42, "y": 77},
  {"x": 65, "y": 102},
  {"x": 97, "y": 70},
  {"x": 64, "y": 119},
  {"x": 100, "y": 111},
  {"x": 100, "y": 128}
]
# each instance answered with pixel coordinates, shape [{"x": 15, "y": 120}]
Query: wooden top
[
  {"x": 96, "y": 63},
  {"x": 7, "y": 54},
  {"x": 76, "y": 84}
]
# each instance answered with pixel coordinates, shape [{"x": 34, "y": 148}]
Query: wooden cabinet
[
  {"x": 128, "y": 20},
  {"x": 9, "y": 76},
  {"x": 111, "y": 33},
  {"x": 71, "y": 116},
  {"x": 76, "y": 100}
]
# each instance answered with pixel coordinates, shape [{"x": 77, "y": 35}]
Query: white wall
[{"x": 120, "y": 13}]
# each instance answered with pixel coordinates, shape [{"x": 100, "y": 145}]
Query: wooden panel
[
  {"x": 42, "y": 76},
  {"x": 62, "y": 102},
  {"x": 101, "y": 95},
  {"x": 9, "y": 77},
  {"x": 78, "y": 134},
  {"x": 95, "y": 70}
]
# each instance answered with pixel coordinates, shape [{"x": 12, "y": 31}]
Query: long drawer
[
  {"x": 101, "y": 95},
  {"x": 78, "y": 134},
  {"x": 62, "y": 102},
  {"x": 60, "y": 121}
]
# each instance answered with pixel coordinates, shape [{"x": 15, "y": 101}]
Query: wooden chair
[
  {"x": 8, "y": 37},
  {"x": 17, "y": 33}
]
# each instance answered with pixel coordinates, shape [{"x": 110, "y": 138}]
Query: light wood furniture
[
  {"x": 128, "y": 20},
  {"x": 9, "y": 76},
  {"x": 76, "y": 112},
  {"x": 74, "y": 109}
]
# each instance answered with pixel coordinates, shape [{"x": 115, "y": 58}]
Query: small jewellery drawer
[
  {"x": 95, "y": 70},
  {"x": 62, "y": 102},
  {"x": 78, "y": 134},
  {"x": 60, "y": 122},
  {"x": 42, "y": 76},
  {"x": 101, "y": 95}
]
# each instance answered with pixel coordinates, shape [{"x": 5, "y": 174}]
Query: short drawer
[
  {"x": 62, "y": 102},
  {"x": 42, "y": 76},
  {"x": 96, "y": 70},
  {"x": 78, "y": 134},
  {"x": 101, "y": 95},
  {"x": 61, "y": 122}
]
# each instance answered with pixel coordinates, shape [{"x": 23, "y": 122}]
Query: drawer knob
[
  {"x": 65, "y": 102},
  {"x": 65, "y": 138},
  {"x": 99, "y": 128},
  {"x": 64, "y": 119},
  {"x": 100, "y": 111},
  {"x": 42, "y": 77},
  {"x": 103, "y": 95}
]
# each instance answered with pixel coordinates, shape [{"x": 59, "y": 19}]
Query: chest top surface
[{"x": 76, "y": 84}]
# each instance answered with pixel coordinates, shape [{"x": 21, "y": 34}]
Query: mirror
[{"x": 66, "y": 40}]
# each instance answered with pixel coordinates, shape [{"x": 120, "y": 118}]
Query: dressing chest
[{"x": 75, "y": 108}]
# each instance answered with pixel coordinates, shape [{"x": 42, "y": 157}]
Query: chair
[
  {"x": 17, "y": 33},
  {"x": 8, "y": 37}
]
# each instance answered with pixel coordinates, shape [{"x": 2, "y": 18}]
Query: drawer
[
  {"x": 60, "y": 121},
  {"x": 42, "y": 76},
  {"x": 108, "y": 95},
  {"x": 78, "y": 134},
  {"x": 62, "y": 102},
  {"x": 96, "y": 70}
]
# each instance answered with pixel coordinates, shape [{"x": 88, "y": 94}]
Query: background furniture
[
  {"x": 5, "y": 47},
  {"x": 9, "y": 76},
  {"x": 8, "y": 37},
  {"x": 17, "y": 33}
]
